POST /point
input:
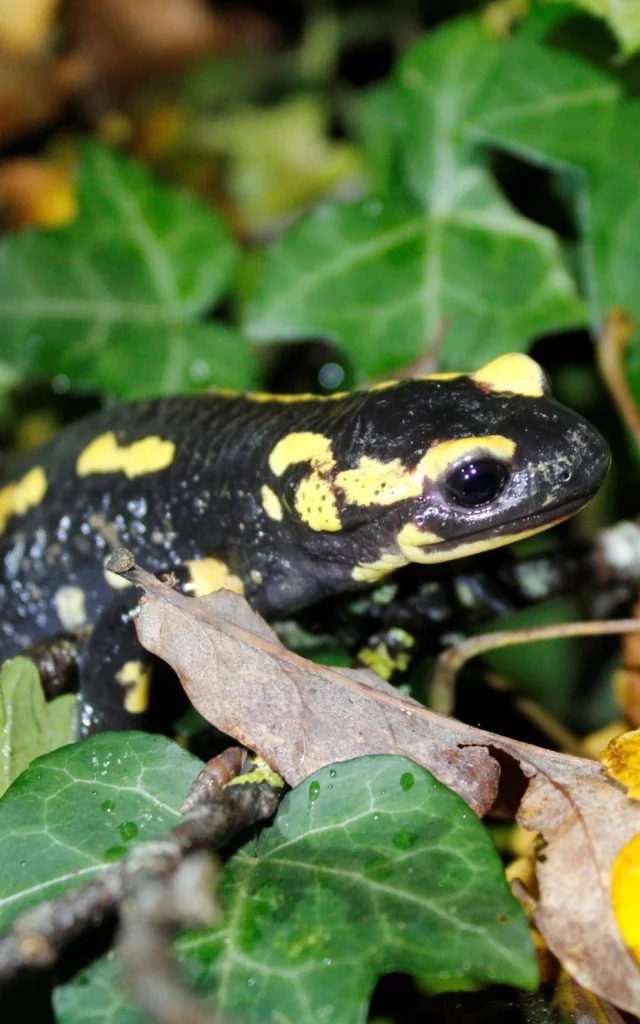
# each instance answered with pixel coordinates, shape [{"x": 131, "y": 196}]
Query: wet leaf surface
[
  {"x": 369, "y": 867},
  {"x": 74, "y": 812},
  {"x": 300, "y": 717}
]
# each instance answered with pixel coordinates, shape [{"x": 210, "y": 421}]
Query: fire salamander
[{"x": 284, "y": 498}]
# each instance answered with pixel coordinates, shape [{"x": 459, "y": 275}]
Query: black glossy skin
[{"x": 207, "y": 502}]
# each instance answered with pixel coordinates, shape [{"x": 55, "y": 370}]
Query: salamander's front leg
[
  {"x": 123, "y": 686},
  {"x": 56, "y": 658}
]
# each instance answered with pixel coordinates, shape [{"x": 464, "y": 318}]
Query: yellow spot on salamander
[
  {"x": 302, "y": 446},
  {"x": 370, "y": 572},
  {"x": 210, "y": 574},
  {"x": 271, "y": 503},
  {"x": 261, "y": 772},
  {"x": 316, "y": 504},
  {"x": 70, "y": 606},
  {"x": 444, "y": 375},
  {"x": 409, "y": 549},
  {"x": 18, "y": 498},
  {"x": 267, "y": 396},
  {"x": 380, "y": 483},
  {"x": 371, "y": 482},
  {"x": 423, "y": 546},
  {"x": 104, "y": 455},
  {"x": 514, "y": 374},
  {"x": 410, "y": 540},
  {"x": 305, "y": 396},
  {"x": 385, "y": 660},
  {"x": 625, "y": 893},
  {"x": 445, "y": 455},
  {"x": 136, "y": 678},
  {"x": 378, "y": 660},
  {"x": 385, "y": 483},
  {"x": 315, "y": 500}
]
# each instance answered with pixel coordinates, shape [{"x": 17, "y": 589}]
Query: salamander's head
[{"x": 437, "y": 468}]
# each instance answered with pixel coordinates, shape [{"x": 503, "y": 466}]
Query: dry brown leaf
[
  {"x": 124, "y": 42},
  {"x": 118, "y": 38},
  {"x": 300, "y": 716},
  {"x": 34, "y": 91},
  {"x": 104, "y": 50}
]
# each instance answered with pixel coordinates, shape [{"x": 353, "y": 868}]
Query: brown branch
[
  {"x": 38, "y": 937},
  {"x": 153, "y": 908},
  {"x": 611, "y": 345},
  {"x": 451, "y": 661}
]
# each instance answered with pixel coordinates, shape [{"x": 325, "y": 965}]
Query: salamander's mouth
[
  {"x": 544, "y": 519},
  {"x": 498, "y": 536},
  {"x": 558, "y": 513}
]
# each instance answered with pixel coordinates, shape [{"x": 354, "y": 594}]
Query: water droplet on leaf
[
  {"x": 128, "y": 830},
  {"x": 404, "y": 839},
  {"x": 114, "y": 853},
  {"x": 407, "y": 781}
]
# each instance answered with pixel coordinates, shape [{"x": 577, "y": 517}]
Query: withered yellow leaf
[
  {"x": 622, "y": 762},
  {"x": 625, "y": 893}
]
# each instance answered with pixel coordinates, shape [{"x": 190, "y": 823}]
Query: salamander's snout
[{"x": 582, "y": 462}]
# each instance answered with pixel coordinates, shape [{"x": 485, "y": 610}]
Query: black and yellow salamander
[{"x": 286, "y": 499}]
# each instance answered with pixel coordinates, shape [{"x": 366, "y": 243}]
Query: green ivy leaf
[
  {"x": 547, "y": 107},
  {"x": 376, "y": 121},
  {"x": 614, "y": 232},
  {"x": 558, "y": 111},
  {"x": 115, "y": 301},
  {"x": 370, "y": 866},
  {"x": 622, "y": 17},
  {"x": 382, "y": 278},
  {"x": 353, "y": 274},
  {"x": 572, "y": 120},
  {"x": 75, "y": 811},
  {"x": 29, "y": 725}
]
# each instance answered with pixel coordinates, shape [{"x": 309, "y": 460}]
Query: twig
[
  {"x": 616, "y": 333},
  {"x": 153, "y": 908},
  {"x": 215, "y": 774},
  {"x": 39, "y": 937},
  {"x": 451, "y": 661}
]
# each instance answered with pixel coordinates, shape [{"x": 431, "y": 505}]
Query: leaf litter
[{"x": 300, "y": 716}]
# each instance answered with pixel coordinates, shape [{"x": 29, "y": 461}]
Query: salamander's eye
[{"x": 477, "y": 482}]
